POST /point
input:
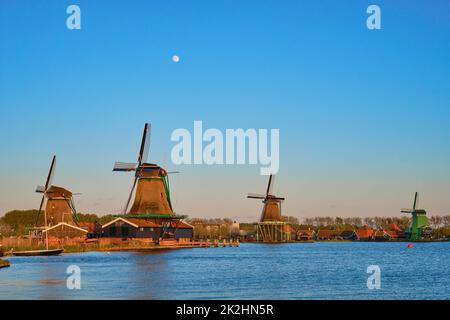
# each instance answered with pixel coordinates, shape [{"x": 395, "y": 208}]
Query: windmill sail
[
  {"x": 269, "y": 185},
  {"x": 145, "y": 144},
  {"x": 124, "y": 166},
  {"x": 51, "y": 173}
]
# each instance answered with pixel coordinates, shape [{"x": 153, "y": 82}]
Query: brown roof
[
  {"x": 380, "y": 233},
  {"x": 307, "y": 232},
  {"x": 288, "y": 228},
  {"x": 86, "y": 225},
  {"x": 393, "y": 234},
  {"x": 327, "y": 233},
  {"x": 142, "y": 223},
  {"x": 364, "y": 232},
  {"x": 394, "y": 227},
  {"x": 180, "y": 225}
]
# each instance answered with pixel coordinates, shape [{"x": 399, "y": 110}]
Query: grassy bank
[
  {"x": 4, "y": 263},
  {"x": 96, "y": 247}
]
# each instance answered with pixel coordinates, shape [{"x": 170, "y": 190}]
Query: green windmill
[{"x": 419, "y": 221}]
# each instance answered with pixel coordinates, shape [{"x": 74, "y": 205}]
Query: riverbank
[
  {"x": 4, "y": 263},
  {"x": 92, "y": 247}
]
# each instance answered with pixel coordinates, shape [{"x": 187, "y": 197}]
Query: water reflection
[{"x": 287, "y": 271}]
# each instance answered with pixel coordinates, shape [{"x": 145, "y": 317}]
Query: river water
[{"x": 321, "y": 270}]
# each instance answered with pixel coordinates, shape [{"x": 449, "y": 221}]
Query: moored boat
[{"x": 51, "y": 252}]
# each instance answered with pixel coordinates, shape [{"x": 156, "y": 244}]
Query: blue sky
[{"x": 363, "y": 115}]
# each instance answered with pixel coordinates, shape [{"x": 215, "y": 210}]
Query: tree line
[{"x": 19, "y": 222}]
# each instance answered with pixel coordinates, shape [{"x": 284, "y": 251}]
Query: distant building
[
  {"x": 365, "y": 233},
  {"x": 348, "y": 235},
  {"x": 395, "y": 232},
  {"x": 305, "y": 235},
  {"x": 381, "y": 235},
  {"x": 324, "y": 234}
]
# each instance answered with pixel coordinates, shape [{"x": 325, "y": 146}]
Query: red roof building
[
  {"x": 305, "y": 235},
  {"x": 328, "y": 235},
  {"x": 365, "y": 233}
]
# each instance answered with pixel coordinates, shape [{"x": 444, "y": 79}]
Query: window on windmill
[{"x": 141, "y": 229}]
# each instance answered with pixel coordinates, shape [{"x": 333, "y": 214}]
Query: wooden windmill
[
  {"x": 60, "y": 207},
  {"x": 152, "y": 194},
  {"x": 272, "y": 204},
  {"x": 271, "y": 227},
  {"x": 152, "y": 204},
  {"x": 59, "y": 215}
]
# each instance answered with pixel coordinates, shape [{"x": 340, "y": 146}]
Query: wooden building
[
  {"x": 324, "y": 234},
  {"x": 65, "y": 230},
  {"x": 365, "y": 233},
  {"x": 306, "y": 235},
  {"x": 146, "y": 228}
]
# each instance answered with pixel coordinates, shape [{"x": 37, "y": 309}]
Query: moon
[{"x": 175, "y": 58}]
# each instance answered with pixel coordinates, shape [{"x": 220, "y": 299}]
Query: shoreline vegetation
[
  {"x": 92, "y": 248},
  {"x": 15, "y": 226},
  {"x": 153, "y": 247},
  {"x": 4, "y": 263}
]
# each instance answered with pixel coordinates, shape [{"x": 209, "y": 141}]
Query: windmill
[
  {"x": 152, "y": 202},
  {"x": 272, "y": 204},
  {"x": 60, "y": 207},
  {"x": 152, "y": 195},
  {"x": 51, "y": 193},
  {"x": 271, "y": 227},
  {"x": 419, "y": 220}
]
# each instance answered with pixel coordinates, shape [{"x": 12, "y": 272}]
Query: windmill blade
[
  {"x": 130, "y": 196},
  {"x": 40, "y": 209},
  {"x": 40, "y": 189},
  {"x": 407, "y": 210},
  {"x": 256, "y": 196},
  {"x": 416, "y": 200},
  {"x": 124, "y": 166},
  {"x": 269, "y": 185},
  {"x": 171, "y": 172},
  {"x": 278, "y": 198},
  {"x": 145, "y": 144},
  {"x": 51, "y": 172}
]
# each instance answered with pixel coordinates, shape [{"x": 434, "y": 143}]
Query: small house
[
  {"x": 365, "y": 233},
  {"x": 328, "y": 235},
  {"x": 305, "y": 235},
  {"x": 348, "y": 235}
]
